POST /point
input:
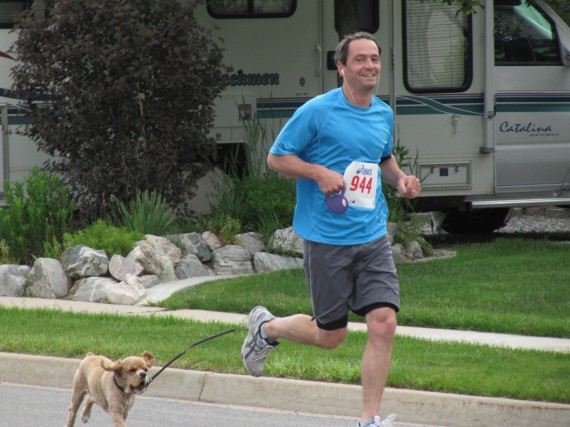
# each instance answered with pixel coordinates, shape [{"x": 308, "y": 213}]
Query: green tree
[{"x": 130, "y": 85}]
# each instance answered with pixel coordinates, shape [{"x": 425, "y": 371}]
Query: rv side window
[
  {"x": 9, "y": 10},
  {"x": 524, "y": 35},
  {"x": 251, "y": 8},
  {"x": 360, "y": 15},
  {"x": 437, "y": 42}
]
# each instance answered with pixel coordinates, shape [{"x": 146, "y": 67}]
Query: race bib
[{"x": 361, "y": 181}]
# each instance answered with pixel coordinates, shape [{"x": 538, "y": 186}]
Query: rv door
[{"x": 532, "y": 95}]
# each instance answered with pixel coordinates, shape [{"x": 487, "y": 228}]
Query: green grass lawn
[
  {"x": 514, "y": 286},
  {"x": 508, "y": 286},
  {"x": 417, "y": 364}
]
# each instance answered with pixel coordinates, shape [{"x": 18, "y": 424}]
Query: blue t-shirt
[{"x": 329, "y": 131}]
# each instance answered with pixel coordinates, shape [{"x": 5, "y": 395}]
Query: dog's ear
[
  {"x": 148, "y": 358},
  {"x": 112, "y": 366}
]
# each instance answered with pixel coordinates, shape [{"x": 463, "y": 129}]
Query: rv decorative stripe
[
  {"x": 473, "y": 104},
  {"x": 466, "y": 105},
  {"x": 539, "y": 103},
  {"x": 17, "y": 116},
  {"x": 270, "y": 108}
]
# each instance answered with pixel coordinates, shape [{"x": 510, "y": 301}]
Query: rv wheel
[{"x": 477, "y": 221}]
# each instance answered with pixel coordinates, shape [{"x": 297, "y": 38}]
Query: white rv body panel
[
  {"x": 501, "y": 139},
  {"x": 18, "y": 154},
  {"x": 482, "y": 129}
]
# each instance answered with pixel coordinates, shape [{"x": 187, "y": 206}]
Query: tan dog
[{"x": 112, "y": 385}]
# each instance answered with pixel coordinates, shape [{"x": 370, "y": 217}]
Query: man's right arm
[{"x": 329, "y": 181}]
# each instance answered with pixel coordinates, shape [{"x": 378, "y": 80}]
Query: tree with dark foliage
[{"x": 129, "y": 86}]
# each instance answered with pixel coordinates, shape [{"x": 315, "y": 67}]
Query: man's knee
[
  {"x": 382, "y": 323},
  {"x": 330, "y": 339}
]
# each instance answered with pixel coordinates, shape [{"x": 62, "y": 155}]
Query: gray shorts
[{"x": 356, "y": 278}]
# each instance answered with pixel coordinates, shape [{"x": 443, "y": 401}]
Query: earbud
[{"x": 342, "y": 72}]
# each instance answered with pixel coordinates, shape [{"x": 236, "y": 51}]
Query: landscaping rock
[
  {"x": 232, "y": 260},
  {"x": 154, "y": 261},
  {"x": 92, "y": 289},
  {"x": 83, "y": 261},
  {"x": 263, "y": 262},
  {"x": 128, "y": 292},
  {"x": 193, "y": 244},
  {"x": 13, "y": 280},
  {"x": 212, "y": 240},
  {"x": 253, "y": 242},
  {"x": 190, "y": 266},
  {"x": 286, "y": 241},
  {"x": 157, "y": 260},
  {"x": 47, "y": 279},
  {"x": 120, "y": 267}
]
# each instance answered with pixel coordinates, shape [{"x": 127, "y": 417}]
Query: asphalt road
[{"x": 25, "y": 406}]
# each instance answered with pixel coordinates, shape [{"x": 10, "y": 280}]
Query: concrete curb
[
  {"x": 303, "y": 396},
  {"x": 411, "y": 406}
]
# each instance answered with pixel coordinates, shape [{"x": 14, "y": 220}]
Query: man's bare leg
[
  {"x": 376, "y": 360},
  {"x": 303, "y": 329}
]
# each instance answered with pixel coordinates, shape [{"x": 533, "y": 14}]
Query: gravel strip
[
  {"x": 540, "y": 223},
  {"x": 528, "y": 220}
]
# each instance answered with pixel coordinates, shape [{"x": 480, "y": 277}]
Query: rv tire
[{"x": 475, "y": 221}]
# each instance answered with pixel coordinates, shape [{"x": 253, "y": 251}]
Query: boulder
[
  {"x": 82, "y": 261},
  {"x": 13, "y": 280},
  {"x": 263, "y": 262},
  {"x": 232, "y": 260},
  {"x": 47, "y": 279}
]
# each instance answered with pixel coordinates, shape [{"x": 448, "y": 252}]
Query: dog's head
[{"x": 131, "y": 373}]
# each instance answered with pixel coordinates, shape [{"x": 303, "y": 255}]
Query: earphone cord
[{"x": 350, "y": 90}]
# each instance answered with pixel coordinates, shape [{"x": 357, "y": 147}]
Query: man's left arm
[{"x": 408, "y": 185}]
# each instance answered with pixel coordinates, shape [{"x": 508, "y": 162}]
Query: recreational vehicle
[{"x": 481, "y": 101}]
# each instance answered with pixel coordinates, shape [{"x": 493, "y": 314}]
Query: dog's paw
[{"x": 85, "y": 418}]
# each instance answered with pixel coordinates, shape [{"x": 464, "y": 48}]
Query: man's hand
[
  {"x": 409, "y": 186},
  {"x": 330, "y": 182}
]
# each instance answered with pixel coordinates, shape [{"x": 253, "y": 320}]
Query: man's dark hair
[{"x": 341, "y": 52}]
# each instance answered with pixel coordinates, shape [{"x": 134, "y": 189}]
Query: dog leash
[{"x": 202, "y": 341}]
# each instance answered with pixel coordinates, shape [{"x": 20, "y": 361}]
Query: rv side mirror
[
  {"x": 563, "y": 38},
  {"x": 565, "y": 53},
  {"x": 564, "y": 43}
]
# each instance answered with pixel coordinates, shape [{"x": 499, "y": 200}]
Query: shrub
[
  {"x": 132, "y": 86},
  {"x": 258, "y": 199},
  {"x": 267, "y": 199},
  {"x": 101, "y": 235},
  {"x": 5, "y": 253},
  {"x": 225, "y": 227},
  {"x": 147, "y": 214},
  {"x": 401, "y": 209},
  {"x": 38, "y": 210}
]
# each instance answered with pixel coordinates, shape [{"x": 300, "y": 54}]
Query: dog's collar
[{"x": 117, "y": 384}]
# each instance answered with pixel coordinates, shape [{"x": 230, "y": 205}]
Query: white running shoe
[
  {"x": 386, "y": 422},
  {"x": 255, "y": 349}
]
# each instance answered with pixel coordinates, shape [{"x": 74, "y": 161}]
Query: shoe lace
[{"x": 263, "y": 352}]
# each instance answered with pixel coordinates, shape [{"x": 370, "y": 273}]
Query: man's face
[{"x": 362, "y": 69}]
